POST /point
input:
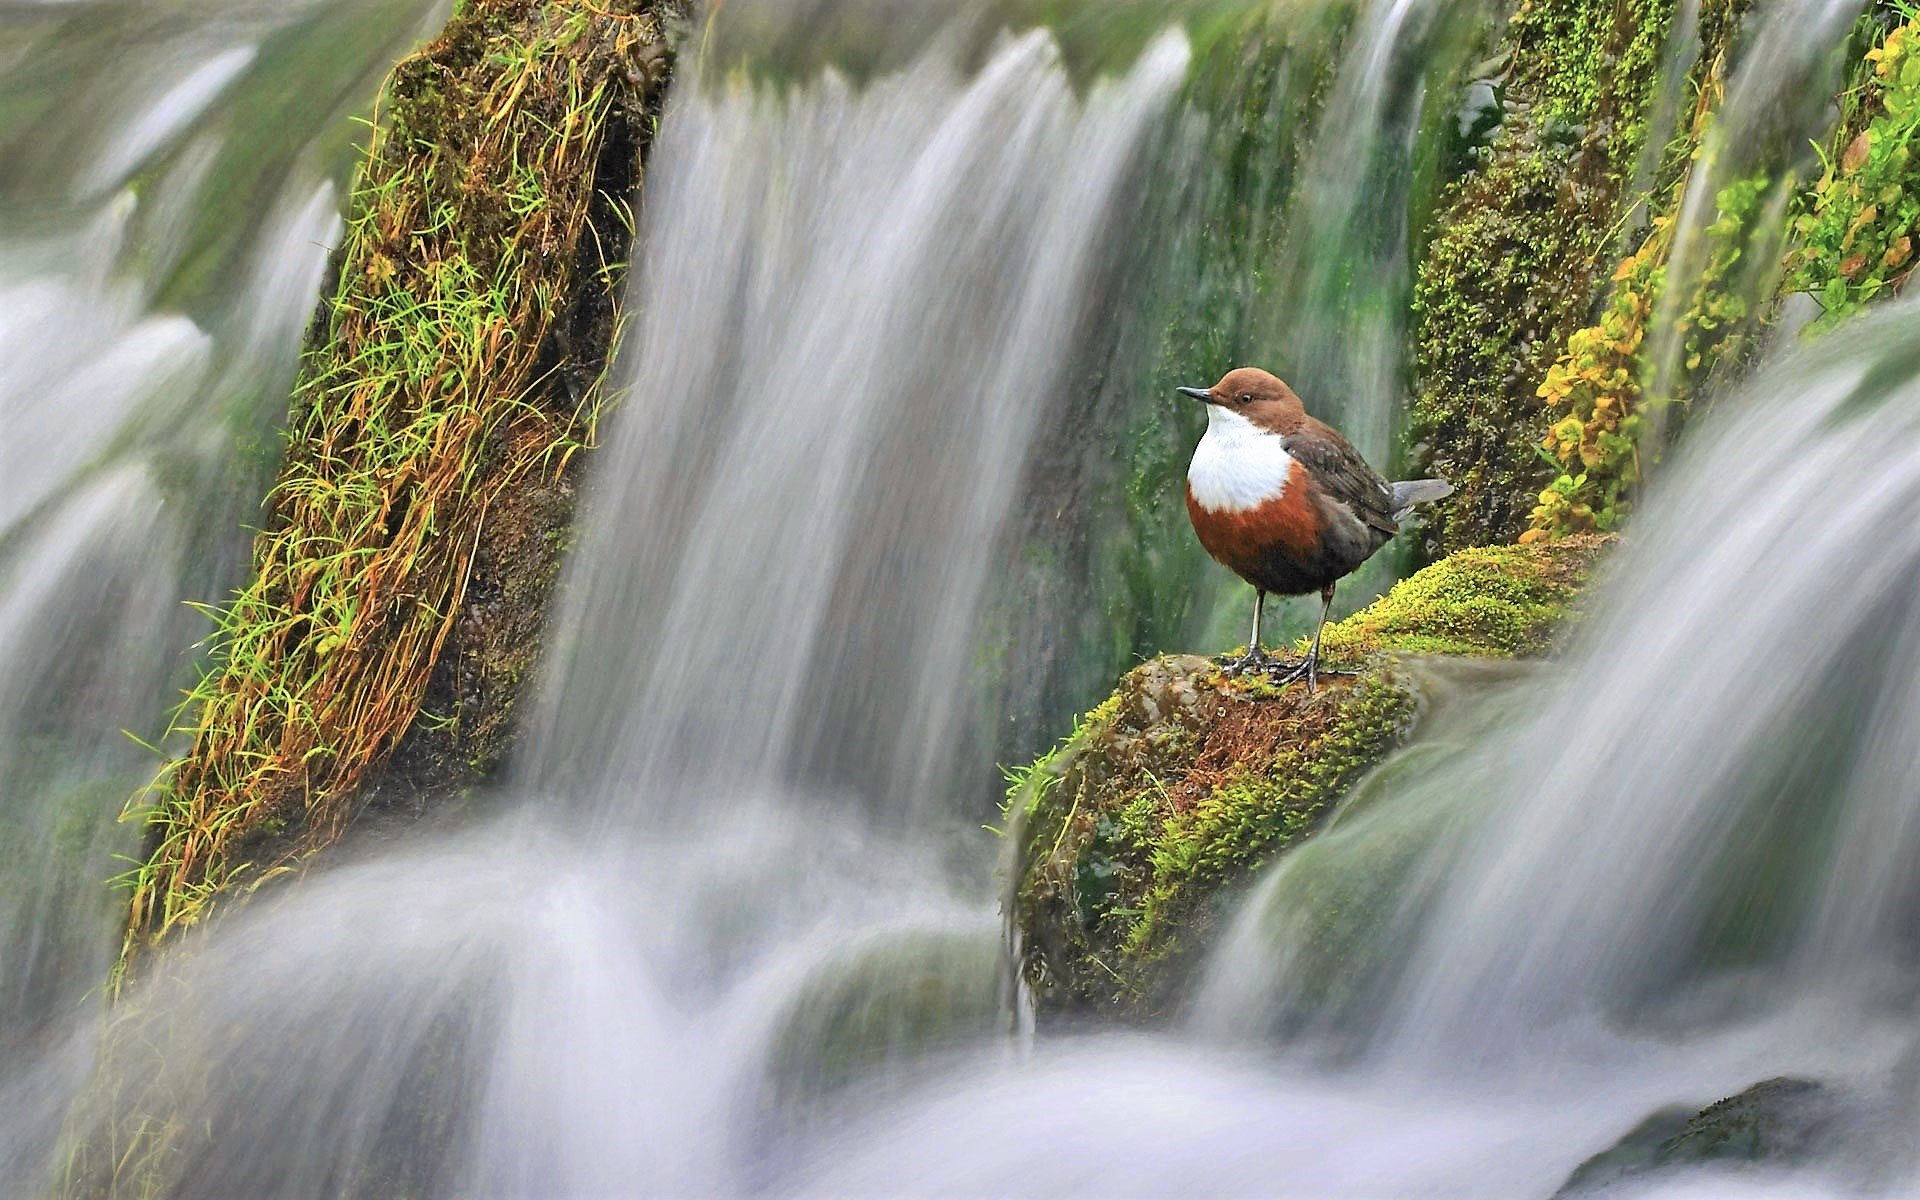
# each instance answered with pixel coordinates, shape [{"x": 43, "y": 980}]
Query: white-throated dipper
[{"x": 1286, "y": 503}]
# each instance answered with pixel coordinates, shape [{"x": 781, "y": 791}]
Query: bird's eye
[{"x": 1246, "y": 397}]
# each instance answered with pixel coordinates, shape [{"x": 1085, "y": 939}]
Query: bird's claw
[
  {"x": 1254, "y": 660},
  {"x": 1313, "y": 671},
  {"x": 1307, "y": 668},
  {"x": 1257, "y": 662}
]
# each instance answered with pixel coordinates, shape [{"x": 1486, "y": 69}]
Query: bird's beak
[{"x": 1201, "y": 394}]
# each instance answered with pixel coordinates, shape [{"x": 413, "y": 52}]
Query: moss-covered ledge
[
  {"x": 411, "y": 536},
  {"x": 1127, "y": 841}
]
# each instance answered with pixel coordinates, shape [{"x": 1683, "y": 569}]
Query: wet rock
[
  {"x": 1181, "y": 783},
  {"x": 882, "y": 1007},
  {"x": 1783, "y": 1121}
]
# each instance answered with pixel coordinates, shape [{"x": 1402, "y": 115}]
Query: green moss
[
  {"x": 1129, "y": 838},
  {"x": 1611, "y": 377},
  {"x": 399, "y": 579},
  {"x": 1179, "y": 786},
  {"x": 1513, "y": 265},
  {"x": 1260, "y": 810},
  {"x": 1488, "y": 602},
  {"x": 1597, "y": 394}
]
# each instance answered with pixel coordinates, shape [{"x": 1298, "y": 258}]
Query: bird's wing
[{"x": 1344, "y": 475}]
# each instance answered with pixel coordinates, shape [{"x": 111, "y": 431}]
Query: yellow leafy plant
[{"x": 1596, "y": 385}]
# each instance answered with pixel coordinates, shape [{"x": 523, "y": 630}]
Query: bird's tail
[{"x": 1413, "y": 492}]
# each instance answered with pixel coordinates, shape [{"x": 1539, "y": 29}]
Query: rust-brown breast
[{"x": 1275, "y": 546}]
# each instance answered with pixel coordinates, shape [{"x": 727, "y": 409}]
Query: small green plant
[
  {"x": 1717, "y": 325},
  {"x": 1598, "y": 388},
  {"x": 1856, "y": 237},
  {"x": 1596, "y": 385}
]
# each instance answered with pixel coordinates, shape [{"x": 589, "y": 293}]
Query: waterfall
[
  {"x": 726, "y": 859},
  {"x": 727, "y": 926},
  {"x": 1774, "y": 115},
  {"x": 168, "y": 193},
  {"x": 861, "y": 301},
  {"x": 1678, "y": 845},
  {"x": 1341, "y": 316},
  {"x": 1623, "y": 884}
]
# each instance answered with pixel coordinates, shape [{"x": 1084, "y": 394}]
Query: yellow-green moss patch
[{"x": 1487, "y": 602}]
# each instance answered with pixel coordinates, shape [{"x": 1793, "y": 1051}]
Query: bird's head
[{"x": 1259, "y": 397}]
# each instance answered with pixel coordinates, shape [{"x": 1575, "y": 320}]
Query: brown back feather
[{"x": 1343, "y": 474}]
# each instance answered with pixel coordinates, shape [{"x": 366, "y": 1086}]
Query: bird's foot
[
  {"x": 1255, "y": 661},
  {"x": 1258, "y": 662},
  {"x": 1313, "y": 671},
  {"x": 1306, "y": 669},
  {"x": 1245, "y": 664}
]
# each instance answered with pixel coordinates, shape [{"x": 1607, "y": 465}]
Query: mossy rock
[
  {"x": 1783, "y": 1120},
  {"x": 1487, "y": 602},
  {"x": 1130, "y": 838},
  {"x": 1515, "y": 256}
]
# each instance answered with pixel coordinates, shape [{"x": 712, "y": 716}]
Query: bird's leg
[
  {"x": 1255, "y": 658},
  {"x": 1313, "y": 655},
  {"x": 1310, "y": 666}
]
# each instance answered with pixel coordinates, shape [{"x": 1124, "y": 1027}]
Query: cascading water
[
  {"x": 159, "y": 253},
  {"x": 1342, "y": 318},
  {"x": 1775, "y": 112},
  {"x": 1730, "y": 835},
  {"x": 859, "y": 303},
  {"x": 717, "y": 942},
  {"x": 864, "y": 314}
]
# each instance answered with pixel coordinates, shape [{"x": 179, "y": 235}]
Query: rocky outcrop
[
  {"x": 1128, "y": 839},
  {"x": 411, "y": 536},
  {"x": 1779, "y": 1121}
]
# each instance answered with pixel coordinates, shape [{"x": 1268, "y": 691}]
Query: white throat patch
[{"x": 1238, "y": 465}]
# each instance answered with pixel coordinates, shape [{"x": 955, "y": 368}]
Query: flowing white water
[
  {"x": 1706, "y": 835},
  {"x": 719, "y": 945},
  {"x": 148, "y": 326},
  {"x": 713, "y": 909},
  {"x": 860, "y": 301},
  {"x": 1684, "y": 865},
  {"x": 1341, "y": 320},
  {"x": 1739, "y": 794},
  {"x": 1773, "y": 119}
]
